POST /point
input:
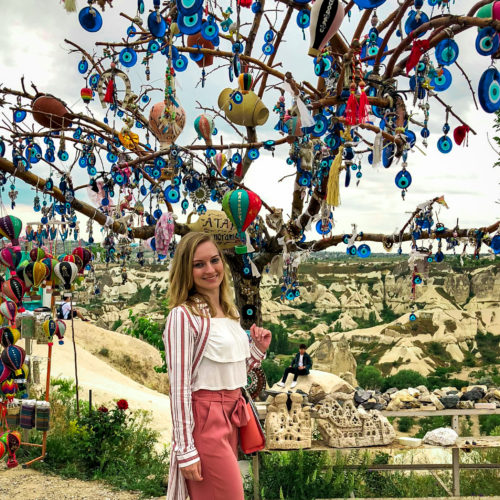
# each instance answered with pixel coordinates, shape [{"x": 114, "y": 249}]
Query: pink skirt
[{"x": 217, "y": 416}]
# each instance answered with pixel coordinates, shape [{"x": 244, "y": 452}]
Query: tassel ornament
[
  {"x": 333, "y": 191},
  {"x": 70, "y": 5},
  {"x": 351, "y": 110},
  {"x": 110, "y": 91},
  {"x": 364, "y": 107}
]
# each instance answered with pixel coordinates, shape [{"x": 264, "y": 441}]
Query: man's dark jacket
[{"x": 307, "y": 362}]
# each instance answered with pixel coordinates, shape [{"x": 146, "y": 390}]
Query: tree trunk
[{"x": 246, "y": 291}]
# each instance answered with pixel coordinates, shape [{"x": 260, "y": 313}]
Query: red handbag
[{"x": 252, "y": 437}]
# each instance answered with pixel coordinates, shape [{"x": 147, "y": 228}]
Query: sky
[{"x": 32, "y": 39}]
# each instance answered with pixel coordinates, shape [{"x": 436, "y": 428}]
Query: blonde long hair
[{"x": 182, "y": 291}]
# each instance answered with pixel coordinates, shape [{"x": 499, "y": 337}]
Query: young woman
[{"x": 208, "y": 355}]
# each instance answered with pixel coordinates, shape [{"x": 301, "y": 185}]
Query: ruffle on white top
[{"x": 223, "y": 365}]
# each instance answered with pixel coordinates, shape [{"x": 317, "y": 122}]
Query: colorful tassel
[
  {"x": 333, "y": 191},
  {"x": 364, "y": 107},
  {"x": 110, "y": 92},
  {"x": 351, "y": 110},
  {"x": 461, "y": 133},
  {"x": 418, "y": 49}
]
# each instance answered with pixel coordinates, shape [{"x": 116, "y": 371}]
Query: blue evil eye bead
[
  {"x": 91, "y": 170},
  {"x": 35, "y": 153},
  {"x": 77, "y": 133},
  {"x": 303, "y": 20},
  {"x": 63, "y": 155},
  {"x": 442, "y": 82},
  {"x": 364, "y": 251},
  {"x": 347, "y": 177},
  {"x": 111, "y": 157},
  {"x": 209, "y": 29},
  {"x": 446, "y": 128},
  {"x": 268, "y": 49},
  {"x": 411, "y": 137},
  {"x": 82, "y": 162},
  {"x": 413, "y": 22},
  {"x": 430, "y": 259},
  {"x": 2, "y": 149},
  {"x": 368, "y": 4},
  {"x": 256, "y": 7},
  {"x": 153, "y": 46},
  {"x": 176, "y": 181},
  {"x": 359, "y": 174},
  {"x": 196, "y": 56},
  {"x": 83, "y": 66},
  {"x": 19, "y": 115},
  {"x": 340, "y": 110},
  {"x": 333, "y": 141},
  {"x": 172, "y": 194},
  {"x": 210, "y": 152},
  {"x": 237, "y": 97},
  {"x": 425, "y": 132},
  {"x": 321, "y": 125},
  {"x": 131, "y": 31},
  {"x": 346, "y": 238},
  {"x": 187, "y": 7},
  {"x": 487, "y": 41},
  {"x": 159, "y": 162},
  {"x": 94, "y": 80},
  {"x": 319, "y": 66},
  {"x": 181, "y": 63},
  {"x": 49, "y": 155},
  {"x": 192, "y": 185},
  {"x": 323, "y": 228},
  {"x": 489, "y": 90},
  {"x": 269, "y": 36},
  {"x": 444, "y": 144},
  {"x": 351, "y": 250},
  {"x": 190, "y": 24},
  {"x": 184, "y": 204},
  {"x": 371, "y": 49},
  {"x": 155, "y": 173},
  {"x": 143, "y": 190},
  {"x": 403, "y": 179},
  {"x": 253, "y": 154},
  {"x": 157, "y": 25},
  {"x": 413, "y": 317},
  {"x": 140, "y": 6},
  {"x": 388, "y": 155},
  {"x": 127, "y": 57},
  {"x": 237, "y": 47},
  {"x": 417, "y": 279},
  {"x": 446, "y": 52},
  {"x": 236, "y": 158},
  {"x": 439, "y": 257},
  {"x": 305, "y": 180},
  {"x": 145, "y": 99},
  {"x": 90, "y": 19},
  {"x": 157, "y": 213}
]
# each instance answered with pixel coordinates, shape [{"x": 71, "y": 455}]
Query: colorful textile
[
  {"x": 27, "y": 420},
  {"x": 42, "y": 416}
]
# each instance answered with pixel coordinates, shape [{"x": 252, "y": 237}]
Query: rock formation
[{"x": 332, "y": 357}]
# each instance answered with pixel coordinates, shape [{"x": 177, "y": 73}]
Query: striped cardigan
[{"x": 185, "y": 339}]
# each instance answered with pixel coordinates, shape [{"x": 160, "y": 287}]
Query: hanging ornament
[{"x": 326, "y": 18}]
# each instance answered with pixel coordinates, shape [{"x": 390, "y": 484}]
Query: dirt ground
[{"x": 27, "y": 484}]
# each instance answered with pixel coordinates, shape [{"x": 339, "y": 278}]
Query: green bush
[
  {"x": 487, "y": 423},
  {"x": 117, "y": 324},
  {"x": 142, "y": 295},
  {"x": 273, "y": 371},
  {"x": 369, "y": 377},
  {"x": 431, "y": 423},
  {"x": 404, "y": 379},
  {"x": 405, "y": 423},
  {"x": 115, "y": 445},
  {"x": 279, "y": 342}
]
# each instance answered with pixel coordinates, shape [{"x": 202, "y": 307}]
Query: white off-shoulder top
[{"x": 223, "y": 365}]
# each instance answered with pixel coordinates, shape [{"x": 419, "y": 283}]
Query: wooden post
[
  {"x": 255, "y": 470},
  {"x": 455, "y": 455},
  {"x": 454, "y": 424}
]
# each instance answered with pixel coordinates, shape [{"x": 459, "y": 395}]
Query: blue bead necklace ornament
[{"x": 445, "y": 144}]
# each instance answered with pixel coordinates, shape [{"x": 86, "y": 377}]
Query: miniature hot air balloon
[
  {"x": 50, "y": 328},
  {"x": 25, "y": 273},
  {"x": 40, "y": 273},
  {"x": 204, "y": 126},
  {"x": 326, "y": 18},
  {"x": 37, "y": 254},
  {"x": 9, "y": 389},
  {"x": 5, "y": 372},
  {"x": 66, "y": 272},
  {"x": 10, "y": 441},
  {"x": 11, "y": 227},
  {"x": 220, "y": 160},
  {"x": 13, "y": 358},
  {"x": 166, "y": 130},
  {"x": 241, "y": 206},
  {"x": 14, "y": 289},
  {"x": 85, "y": 254},
  {"x": 22, "y": 380},
  {"x": 86, "y": 94},
  {"x": 61, "y": 329},
  {"x": 50, "y": 264},
  {"x": 245, "y": 82},
  {"x": 10, "y": 258},
  {"x": 9, "y": 311},
  {"x": 9, "y": 335}
]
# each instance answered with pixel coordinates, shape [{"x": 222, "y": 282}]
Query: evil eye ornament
[
  {"x": 153, "y": 46},
  {"x": 417, "y": 279},
  {"x": 351, "y": 250},
  {"x": 184, "y": 204},
  {"x": 321, "y": 125},
  {"x": 196, "y": 56},
  {"x": 439, "y": 257},
  {"x": 414, "y": 20},
  {"x": 489, "y": 90},
  {"x": 444, "y": 144},
  {"x": 90, "y": 19},
  {"x": 236, "y": 158},
  {"x": 323, "y": 229},
  {"x": 82, "y": 162},
  {"x": 2, "y": 149},
  {"x": 111, "y": 157},
  {"x": 368, "y": 4},
  {"x": 63, "y": 155},
  {"x": 35, "y": 153},
  {"x": 269, "y": 35},
  {"x": 370, "y": 49},
  {"x": 248, "y": 312},
  {"x": 181, "y": 63},
  {"x": 190, "y": 24},
  {"x": 237, "y": 97},
  {"x": 172, "y": 194},
  {"x": 131, "y": 31},
  {"x": 253, "y": 154},
  {"x": 143, "y": 190},
  {"x": 487, "y": 41},
  {"x": 209, "y": 29},
  {"x": 333, "y": 141},
  {"x": 19, "y": 115},
  {"x": 159, "y": 162},
  {"x": 388, "y": 155},
  {"x": 83, "y": 66},
  {"x": 268, "y": 49},
  {"x": 94, "y": 80},
  {"x": 157, "y": 25},
  {"x": 364, "y": 251},
  {"x": 446, "y": 52},
  {"x": 91, "y": 170},
  {"x": 303, "y": 19},
  {"x": 188, "y": 7},
  {"x": 403, "y": 179},
  {"x": 443, "y": 82},
  {"x": 413, "y": 317}
]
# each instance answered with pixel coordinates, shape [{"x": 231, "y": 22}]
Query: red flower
[
  {"x": 122, "y": 404},
  {"x": 102, "y": 409}
]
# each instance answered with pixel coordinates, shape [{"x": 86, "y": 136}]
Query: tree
[{"x": 324, "y": 123}]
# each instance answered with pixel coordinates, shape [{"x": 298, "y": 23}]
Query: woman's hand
[
  {"x": 261, "y": 337},
  {"x": 192, "y": 472}
]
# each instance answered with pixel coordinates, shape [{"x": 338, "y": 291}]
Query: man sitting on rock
[{"x": 301, "y": 365}]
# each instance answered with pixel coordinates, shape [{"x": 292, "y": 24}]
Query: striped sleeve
[
  {"x": 179, "y": 347},
  {"x": 256, "y": 357}
]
